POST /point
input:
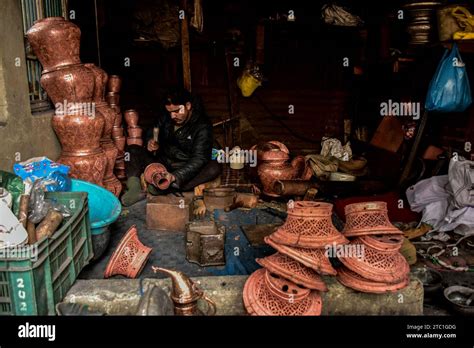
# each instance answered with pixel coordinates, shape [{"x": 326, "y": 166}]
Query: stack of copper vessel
[
  {"x": 289, "y": 283},
  {"x": 113, "y": 99},
  {"x": 380, "y": 267},
  {"x": 83, "y": 120},
  {"x": 133, "y": 130}
]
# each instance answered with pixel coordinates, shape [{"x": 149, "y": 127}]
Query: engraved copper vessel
[
  {"x": 157, "y": 175},
  {"x": 185, "y": 294},
  {"x": 268, "y": 294},
  {"x": 312, "y": 258},
  {"x": 111, "y": 182},
  {"x": 86, "y": 165},
  {"x": 118, "y": 119},
  {"x": 78, "y": 132},
  {"x": 275, "y": 165},
  {"x": 368, "y": 218},
  {"x": 117, "y": 132},
  {"x": 292, "y": 270},
  {"x": 134, "y": 141},
  {"x": 114, "y": 84},
  {"x": 129, "y": 257},
  {"x": 55, "y": 41},
  {"x": 109, "y": 116},
  {"x": 308, "y": 225},
  {"x": 112, "y": 98},
  {"x": 354, "y": 281},
  {"x": 72, "y": 83},
  {"x": 131, "y": 118},
  {"x": 376, "y": 265},
  {"x": 120, "y": 143},
  {"x": 100, "y": 78},
  {"x": 135, "y": 132}
]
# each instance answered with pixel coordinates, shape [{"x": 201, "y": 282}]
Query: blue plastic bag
[{"x": 449, "y": 90}]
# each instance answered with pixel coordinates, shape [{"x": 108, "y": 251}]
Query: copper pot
[
  {"x": 131, "y": 117},
  {"x": 135, "y": 132},
  {"x": 120, "y": 164},
  {"x": 78, "y": 133},
  {"x": 129, "y": 257},
  {"x": 134, "y": 141},
  {"x": 117, "y": 132},
  {"x": 72, "y": 83},
  {"x": 109, "y": 117},
  {"x": 120, "y": 142},
  {"x": 157, "y": 175},
  {"x": 88, "y": 166},
  {"x": 100, "y": 82},
  {"x": 114, "y": 84},
  {"x": 56, "y": 42},
  {"x": 112, "y": 98},
  {"x": 275, "y": 166}
]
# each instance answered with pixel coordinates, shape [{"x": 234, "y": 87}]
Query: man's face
[{"x": 179, "y": 113}]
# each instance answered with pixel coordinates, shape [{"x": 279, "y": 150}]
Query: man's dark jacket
[{"x": 188, "y": 149}]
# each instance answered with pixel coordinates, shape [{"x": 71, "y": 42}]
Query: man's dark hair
[{"x": 177, "y": 96}]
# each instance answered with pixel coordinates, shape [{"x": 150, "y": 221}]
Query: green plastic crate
[{"x": 30, "y": 287}]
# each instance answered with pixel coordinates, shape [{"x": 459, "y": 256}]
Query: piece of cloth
[
  {"x": 134, "y": 191},
  {"x": 141, "y": 157},
  {"x": 187, "y": 150},
  {"x": 444, "y": 200},
  {"x": 322, "y": 166},
  {"x": 333, "y": 147}
]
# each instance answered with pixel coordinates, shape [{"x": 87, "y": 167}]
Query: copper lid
[{"x": 354, "y": 281}]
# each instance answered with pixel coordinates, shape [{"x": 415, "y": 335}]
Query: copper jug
[
  {"x": 275, "y": 166},
  {"x": 185, "y": 294}
]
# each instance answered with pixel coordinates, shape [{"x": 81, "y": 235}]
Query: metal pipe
[{"x": 292, "y": 187}]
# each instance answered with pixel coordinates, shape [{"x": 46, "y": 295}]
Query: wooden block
[{"x": 169, "y": 212}]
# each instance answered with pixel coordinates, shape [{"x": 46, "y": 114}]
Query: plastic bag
[
  {"x": 39, "y": 206},
  {"x": 43, "y": 168},
  {"x": 250, "y": 79},
  {"x": 449, "y": 90},
  {"x": 15, "y": 186}
]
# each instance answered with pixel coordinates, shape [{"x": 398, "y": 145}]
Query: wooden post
[
  {"x": 414, "y": 150},
  {"x": 186, "y": 57}
]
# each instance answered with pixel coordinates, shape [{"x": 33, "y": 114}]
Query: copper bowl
[
  {"x": 129, "y": 257},
  {"x": 218, "y": 198},
  {"x": 117, "y": 132},
  {"x": 131, "y": 117},
  {"x": 114, "y": 84},
  {"x": 134, "y": 141},
  {"x": 268, "y": 294},
  {"x": 112, "y": 98},
  {"x": 135, "y": 132}
]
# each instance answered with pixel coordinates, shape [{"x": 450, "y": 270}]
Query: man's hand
[{"x": 152, "y": 145}]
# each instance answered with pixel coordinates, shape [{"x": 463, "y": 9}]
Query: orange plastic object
[
  {"x": 354, "y": 281},
  {"x": 130, "y": 256},
  {"x": 375, "y": 265},
  {"x": 292, "y": 270},
  {"x": 312, "y": 258},
  {"x": 308, "y": 225},
  {"x": 368, "y": 218},
  {"x": 267, "y": 294}
]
